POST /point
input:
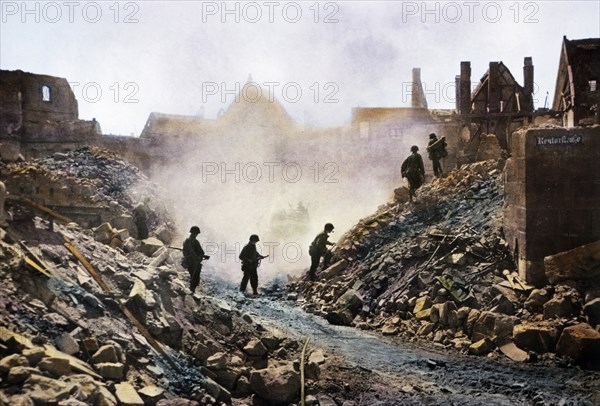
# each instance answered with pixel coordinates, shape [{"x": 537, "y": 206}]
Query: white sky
[{"x": 172, "y": 57}]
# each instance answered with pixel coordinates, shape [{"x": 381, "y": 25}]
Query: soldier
[
  {"x": 140, "y": 217},
  {"x": 414, "y": 171},
  {"x": 318, "y": 249},
  {"x": 436, "y": 149},
  {"x": 250, "y": 262},
  {"x": 193, "y": 254}
]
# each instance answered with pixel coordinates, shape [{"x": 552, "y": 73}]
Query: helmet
[
  {"x": 432, "y": 136},
  {"x": 328, "y": 227},
  {"x": 195, "y": 230},
  {"x": 254, "y": 238},
  {"x": 414, "y": 148}
]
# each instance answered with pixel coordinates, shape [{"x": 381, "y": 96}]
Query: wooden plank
[
  {"x": 41, "y": 208},
  {"x": 36, "y": 267},
  {"x": 87, "y": 266}
]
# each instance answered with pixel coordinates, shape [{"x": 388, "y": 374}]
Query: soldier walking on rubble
[
  {"x": 436, "y": 148},
  {"x": 193, "y": 254},
  {"x": 413, "y": 170},
  {"x": 250, "y": 263},
  {"x": 318, "y": 249}
]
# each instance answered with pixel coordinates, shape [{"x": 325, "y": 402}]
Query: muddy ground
[{"x": 383, "y": 371}]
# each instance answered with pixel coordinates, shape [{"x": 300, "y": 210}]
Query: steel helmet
[
  {"x": 329, "y": 227},
  {"x": 254, "y": 238},
  {"x": 195, "y": 230},
  {"x": 414, "y": 148}
]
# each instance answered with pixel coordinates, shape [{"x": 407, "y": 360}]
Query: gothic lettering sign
[{"x": 574, "y": 139}]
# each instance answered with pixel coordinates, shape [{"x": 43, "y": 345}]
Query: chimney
[
  {"x": 457, "y": 92},
  {"x": 494, "y": 90},
  {"x": 465, "y": 90},
  {"x": 528, "y": 75},
  {"x": 418, "y": 95}
]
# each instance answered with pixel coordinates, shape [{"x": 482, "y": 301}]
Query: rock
[
  {"x": 581, "y": 263},
  {"x": 401, "y": 194},
  {"x": 425, "y": 329},
  {"x": 242, "y": 387},
  {"x": 351, "y": 301},
  {"x": 558, "y": 307},
  {"x": 481, "y": 347},
  {"x": 103, "y": 233},
  {"x": 217, "y": 391},
  {"x": 106, "y": 353},
  {"x": 47, "y": 391},
  {"x": 127, "y": 396},
  {"x": 67, "y": 344},
  {"x": 592, "y": 311},
  {"x": 581, "y": 343},
  {"x": 201, "y": 352},
  {"x": 217, "y": 361},
  {"x": 422, "y": 303},
  {"x": 389, "y": 330},
  {"x": 111, "y": 370},
  {"x": 150, "y": 245},
  {"x": 484, "y": 326},
  {"x": 325, "y": 400},
  {"x": 502, "y": 305},
  {"x": 457, "y": 258},
  {"x": 536, "y": 299},
  {"x": 317, "y": 357},
  {"x": 271, "y": 342},
  {"x": 339, "y": 317},
  {"x": 71, "y": 402},
  {"x": 255, "y": 348},
  {"x": 137, "y": 296},
  {"x": 539, "y": 337},
  {"x": 470, "y": 321},
  {"x": 276, "y": 384},
  {"x": 423, "y": 314},
  {"x": 17, "y": 375},
  {"x": 11, "y": 361},
  {"x": 335, "y": 269},
  {"x": 34, "y": 355},
  {"x": 227, "y": 377},
  {"x": 513, "y": 352},
  {"x": 55, "y": 366}
]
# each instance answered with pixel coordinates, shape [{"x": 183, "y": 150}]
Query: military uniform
[
  {"x": 193, "y": 255},
  {"x": 414, "y": 171},
  {"x": 250, "y": 260},
  {"x": 318, "y": 249},
  {"x": 436, "y": 149}
]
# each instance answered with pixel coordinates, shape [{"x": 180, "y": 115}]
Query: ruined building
[
  {"x": 577, "y": 95},
  {"x": 37, "y": 111},
  {"x": 552, "y": 199},
  {"x": 499, "y": 105}
]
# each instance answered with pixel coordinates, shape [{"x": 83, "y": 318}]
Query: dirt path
[{"x": 426, "y": 375}]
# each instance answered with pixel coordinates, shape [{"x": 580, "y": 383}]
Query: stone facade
[
  {"x": 552, "y": 194},
  {"x": 40, "y": 109}
]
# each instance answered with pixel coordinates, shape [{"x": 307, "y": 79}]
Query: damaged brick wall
[
  {"x": 40, "y": 109},
  {"x": 552, "y": 195}
]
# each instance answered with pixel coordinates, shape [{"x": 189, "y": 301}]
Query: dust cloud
[{"x": 279, "y": 186}]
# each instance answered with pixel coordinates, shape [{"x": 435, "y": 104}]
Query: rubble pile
[
  {"x": 438, "y": 270},
  {"x": 90, "y": 185},
  {"x": 122, "y": 329}
]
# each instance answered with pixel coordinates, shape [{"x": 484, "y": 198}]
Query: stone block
[
  {"x": 127, "y": 395},
  {"x": 539, "y": 337},
  {"x": 111, "y": 370},
  {"x": 581, "y": 343}
]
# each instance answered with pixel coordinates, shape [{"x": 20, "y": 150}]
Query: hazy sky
[{"x": 319, "y": 59}]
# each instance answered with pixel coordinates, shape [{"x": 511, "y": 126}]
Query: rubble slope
[{"x": 438, "y": 270}]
